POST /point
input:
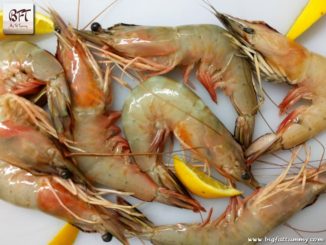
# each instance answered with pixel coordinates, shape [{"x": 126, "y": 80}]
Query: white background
[{"x": 22, "y": 226}]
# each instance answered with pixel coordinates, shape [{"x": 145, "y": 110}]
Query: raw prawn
[
  {"x": 47, "y": 194},
  {"x": 94, "y": 129},
  {"x": 154, "y": 50},
  {"x": 283, "y": 60},
  {"x": 27, "y": 139},
  {"x": 25, "y": 69},
  {"x": 159, "y": 106},
  {"x": 253, "y": 217}
]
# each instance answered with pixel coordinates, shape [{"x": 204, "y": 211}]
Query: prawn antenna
[
  {"x": 78, "y": 14},
  {"x": 99, "y": 14},
  {"x": 94, "y": 198}
]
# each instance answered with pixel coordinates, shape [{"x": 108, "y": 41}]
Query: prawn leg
[
  {"x": 283, "y": 60},
  {"x": 255, "y": 216},
  {"x": 206, "y": 49},
  {"x": 162, "y": 105},
  {"x": 95, "y": 131},
  {"x": 299, "y": 126},
  {"x": 43, "y": 193},
  {"x": 27, "y": 139},
  {"x": 26, "y": 68}
]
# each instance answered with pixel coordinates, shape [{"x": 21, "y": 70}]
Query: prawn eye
[
  {"x": 96, "y": 27},
  {"x": 107, "y": 237},
  {"x": 248, "y": 30},
  {"x": 64, "y": 173},
  {"x": 57, "y": 29},
  {"x": 245, "y": 176}
]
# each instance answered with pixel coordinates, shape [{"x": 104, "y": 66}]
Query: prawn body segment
[
  {"x": 44, "y": 193},
  {"x": 28, "y": 139},
  {"x": 207, "y": 49},
  {"x": 283, "y": 60},
  {"x": 160, "y": 106},
  {"x": 105, "y": 170},
  {"x": 94, "y": 129},
  {"x": 255, "y": 216},
  {"x": 25, "y": 69},
  {"x": 85, "y": 88},
  {"x": 29, "y": 149}
]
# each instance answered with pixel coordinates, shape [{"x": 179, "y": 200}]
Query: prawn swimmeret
[
  {"x": 159, "y": 106},
  {"x": 45, "y": 193},
  {"x": 151, "y": 50},
  {"x": 254, "y": 216},
  {"x": 94, "y": 129},
  {"x": 283, "y": 60},
  {"x": 25, "y": 69},
  {"x": 27, "y": 139}
]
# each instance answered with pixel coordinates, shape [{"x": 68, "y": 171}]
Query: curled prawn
[
  {"x": 159, "y": 106},
  {"x": 46, "y": 194},
  {"x": 26, "y": 69},
  {"x": 94, "y": 129},
  {"x": 152, "y": 50},
  {"x": 283, "y": 60},
  {"x": 253, "y": 217}
]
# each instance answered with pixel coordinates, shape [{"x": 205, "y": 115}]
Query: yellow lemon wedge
[
  {"x": 43, "y": 24},
  {"x": 66, "y": 236},
  {"x": 313, "y": 11},
  {"x": 201, "y": 184}
]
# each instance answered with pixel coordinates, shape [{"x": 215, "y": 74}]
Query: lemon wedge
[
  {"x": 313, "y": 11},
  {"x": 43, "y": 24},
  {"x": 66, "y": 236},
  {"x": 201, "y": 184}
]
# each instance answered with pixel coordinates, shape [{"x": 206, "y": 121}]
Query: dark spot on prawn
[
  {"x": 96, "y": 27},
  {"x": 248, "y": 30},
  {"x": 64, "y": 173},
  {"x": 107, "y": 237},
  {"x": 245, "y": 176},
  {"x": 57, "y": 29}
]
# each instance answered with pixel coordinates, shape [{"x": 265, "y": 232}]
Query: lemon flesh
[
  {"x": 66, "y": 236},
  {"x": 201, "y": 184},
  {"x": 43, "y": 24},
  {"x": 313, "y": 11}
]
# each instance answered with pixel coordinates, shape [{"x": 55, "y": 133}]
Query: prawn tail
[
  {"x": 244, "y": 128},
  {"x": 266, "y": 143},
  {"x": 139, "y": 226},
  {"x": 135, "y": 224},
  {"x": 172, "y": 198},
  {"x": 113, "y": 225},
  {"x": 166, "y": 178},
  {"x": 59, "y": 106}
]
